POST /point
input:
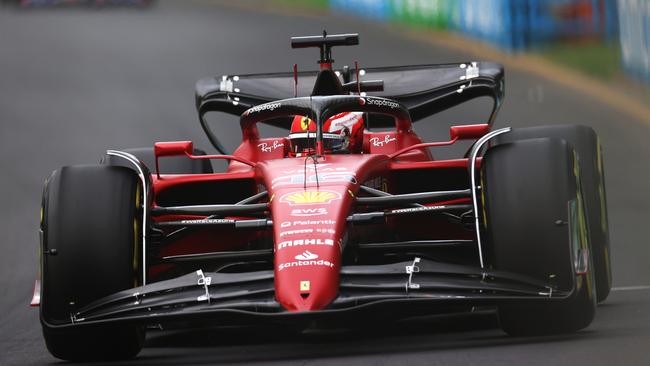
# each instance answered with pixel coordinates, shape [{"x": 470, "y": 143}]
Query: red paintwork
[
  {"x": 208, "y": 239},
  {"x": 309, "y": 217},
  {"x": 421, "y": 146},
  {"x": 456, "y": 201},
  {"x": 186, "y": 148},
  {"x": 337, "y": 184},
  {"x": 468, "y": 132},
  {"x": 166, "y": 181},
  {"x": 434, "y": 164},
  {"x": 387, "y": 143},
  {"x": 227, "y": 157},
  {"x": 173, "y": 148}
]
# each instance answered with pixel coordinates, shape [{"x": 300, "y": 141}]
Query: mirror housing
[
  {"x": 468, "y": 132},
  {"x": 173, "y": 148}
]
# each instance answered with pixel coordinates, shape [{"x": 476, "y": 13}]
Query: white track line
[{"x": 631, "y": 288}]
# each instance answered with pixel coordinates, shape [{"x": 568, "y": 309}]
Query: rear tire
[
  {"x": 587, "y": 144},
  {"x": 535, "y": 225},
  {"x": 91, "y": 221}
]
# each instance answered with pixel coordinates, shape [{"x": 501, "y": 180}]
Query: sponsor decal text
[
  {"x": 266, "y": 147},
  {"x": 376, "y": 141},
  {"x": 303, "y": 242}
]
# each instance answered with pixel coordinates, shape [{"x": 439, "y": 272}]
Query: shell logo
[{"x": 310, "y": 197}]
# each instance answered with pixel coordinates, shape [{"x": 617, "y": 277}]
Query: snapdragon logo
[
  {"x": 264, "y": 107},
  {"x": 382, "y": 102}
]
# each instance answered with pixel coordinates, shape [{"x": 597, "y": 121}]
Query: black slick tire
[
  {"x": 535, "y": 225},
  {"x": 586, "y": 143},
  {"x": 90, "y": 234}
]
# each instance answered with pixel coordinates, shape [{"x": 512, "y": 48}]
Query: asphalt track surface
[{"x": 74, "y": 82}]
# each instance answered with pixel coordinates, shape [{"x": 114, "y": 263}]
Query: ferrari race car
[{"x": 348, "y": 216}]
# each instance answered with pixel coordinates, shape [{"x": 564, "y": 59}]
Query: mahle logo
[
  {"x": 310, "y": 197},
  {"x": 303, "y": 242}
]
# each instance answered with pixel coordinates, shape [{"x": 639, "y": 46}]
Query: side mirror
[
  {"x": 468, "y": 132},
  {"x": 173, "y": 148}
]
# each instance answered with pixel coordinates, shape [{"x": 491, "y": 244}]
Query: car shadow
[{"x": 266, "y": 344}]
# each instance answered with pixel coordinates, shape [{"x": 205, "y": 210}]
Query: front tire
[
  {"x": 536, "y": 226},
  {"x": 90, "y": 230},
  {"x": 587, "y": 144}
]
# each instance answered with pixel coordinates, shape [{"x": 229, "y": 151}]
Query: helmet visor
[{"x": 306, "y": 141}]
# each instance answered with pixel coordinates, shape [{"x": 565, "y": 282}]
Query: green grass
[
  {"x": 309, "y": 4},
  {"x": 594, "y": 58}
]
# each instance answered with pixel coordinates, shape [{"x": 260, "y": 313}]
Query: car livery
[{"x": 153, "y": 236}]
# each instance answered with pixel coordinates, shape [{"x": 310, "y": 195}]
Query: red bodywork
[{"x": 310, "y": 199}]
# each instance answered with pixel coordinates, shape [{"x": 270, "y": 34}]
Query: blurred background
[
  {"x": 79, "y": 77},
  {"x": 607, "y": 39}
]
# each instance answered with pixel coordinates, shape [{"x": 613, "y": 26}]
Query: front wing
[{"x": 414, "y": 288}]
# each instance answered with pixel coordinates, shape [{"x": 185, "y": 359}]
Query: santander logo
[{"x": 306, "y": 256}]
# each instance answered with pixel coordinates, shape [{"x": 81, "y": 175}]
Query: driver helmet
[{"x": 342, "y": 133}]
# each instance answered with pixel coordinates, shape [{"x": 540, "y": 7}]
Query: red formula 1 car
[{"x": 349, "y": 217}]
